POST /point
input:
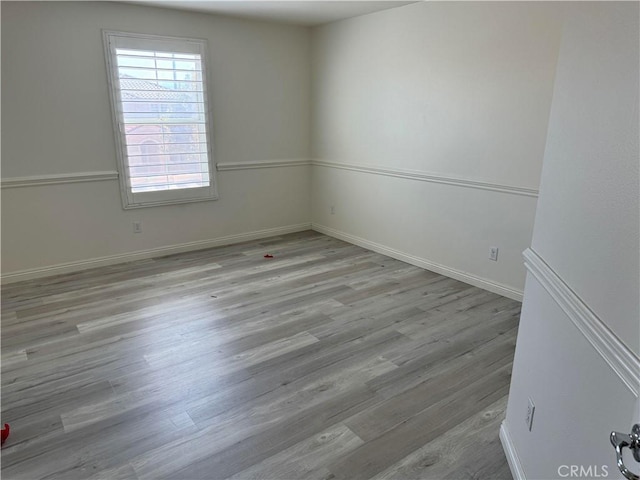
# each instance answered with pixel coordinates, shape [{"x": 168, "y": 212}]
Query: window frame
[{"x": 130, "y": 199}]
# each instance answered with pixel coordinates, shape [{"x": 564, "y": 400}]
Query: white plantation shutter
[{"x": 158, "y": 91}]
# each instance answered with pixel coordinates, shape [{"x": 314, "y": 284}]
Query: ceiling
[{"x": 298, "y": 12}]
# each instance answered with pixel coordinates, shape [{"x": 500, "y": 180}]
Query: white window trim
[{"x": 132, "y": 200}]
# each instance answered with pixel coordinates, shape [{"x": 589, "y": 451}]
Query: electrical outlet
[
  {"x": 332, "y": 210},
  {"x": 493, "y": 253},
  {"x": 531, "y": 408},
  {"x": 137, "y": 226}
]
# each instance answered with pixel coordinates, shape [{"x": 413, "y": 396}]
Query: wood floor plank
[
  {"x": 244, "y": 359},
  {"x": 11, "y": 358},
  {"x": 305, "y": 459},
  {"x": 375, "y": 455},
  {"x": 442, "y": 457},
  {"x": 206, "y": 459},
  {"x": 84, "y": 452},
  {"x": 399, "y": 408},
  {"x": 327, "y": 361}
]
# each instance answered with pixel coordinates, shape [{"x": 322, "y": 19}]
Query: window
[{"x": 159, "y": 101}]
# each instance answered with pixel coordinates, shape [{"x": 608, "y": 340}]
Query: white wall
[
  {"x": 460, "y": 91},
  {"x": 578, "y": 359},
  {"x": 56, "y": 119},
  {"x": 587, "y": 224}
]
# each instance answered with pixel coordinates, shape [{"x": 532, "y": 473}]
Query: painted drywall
[
  {"x": 56, "y": 119},
  {"x": 453, "y": 89},
  {"x": 586, "y": 231},
  {"x": 578, "y": 399},
  {"x": 440, "y": 227},
  {"x": 587, "y": 225}
]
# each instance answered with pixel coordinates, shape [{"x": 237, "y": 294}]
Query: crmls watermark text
[{"x": 583, "y": 471}]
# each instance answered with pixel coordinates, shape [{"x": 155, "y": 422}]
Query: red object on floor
[
  {"x": 268, "y": 256},
  {"x": 5, "y": 433}
]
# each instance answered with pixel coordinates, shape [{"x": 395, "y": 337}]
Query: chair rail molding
[
  {"x": 429, "y": 177},
  {"x": 57, "y": 179},
  {"x": 624, "y": 362},
  {"x": 230, "y": 166}
]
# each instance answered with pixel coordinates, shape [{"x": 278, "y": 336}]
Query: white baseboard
[
  {"x": 150, "y": 253},
  {"x": 75, "y": 266},
  {"x": 469, "y": 278},
  {"x": 512, "y": 455}
]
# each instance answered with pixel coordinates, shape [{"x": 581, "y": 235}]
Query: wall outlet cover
[{"x": 531, "y": 408}]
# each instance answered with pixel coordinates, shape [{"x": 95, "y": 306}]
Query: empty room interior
[{"x": 320, "y": 240}]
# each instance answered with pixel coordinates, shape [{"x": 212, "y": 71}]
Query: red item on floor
[
  {"x": 5, "y": 433},
  {"x": 268, "y": 256}
]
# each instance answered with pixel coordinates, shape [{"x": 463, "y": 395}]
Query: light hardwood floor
[{"x": 326, "y": 362}]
